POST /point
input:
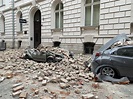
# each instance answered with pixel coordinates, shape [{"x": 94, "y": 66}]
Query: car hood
[{"x": 121, "y": 37}]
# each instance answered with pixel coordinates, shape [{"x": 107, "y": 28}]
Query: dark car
[
  {"x": 116, "y": 61},
  {"x": 42, "y": 56}
]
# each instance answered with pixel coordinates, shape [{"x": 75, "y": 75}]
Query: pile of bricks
[{"x": 69, "y": 74}]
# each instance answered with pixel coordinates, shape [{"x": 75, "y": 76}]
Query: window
[
  {"x": 128, "y": 52},
  {"x": 21, "y": 26},
  {"x": 92, "y": 11},
  {"x": 2, "y": 23},
  {"x": 59, "y": 16}
]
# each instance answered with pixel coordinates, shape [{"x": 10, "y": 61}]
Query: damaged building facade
[{"x": 73, "y": 23}]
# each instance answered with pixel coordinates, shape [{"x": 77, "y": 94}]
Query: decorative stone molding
[
  {"x": 17, "y": 1},
  {"x": 38, "y": 0},
  {"x": 18, "y": 8},
  {"x": 89, "y": 28},
  {"x": 2, "y": 5},
  {"x": 33, "y": 2},
  {"x": 2, "y": 33},
  {"x": 56, "y": 30},
  {"x": 56, "y": 38},
  {"x": 19, "y": 33},
  {"x": 88, "y": 38}
]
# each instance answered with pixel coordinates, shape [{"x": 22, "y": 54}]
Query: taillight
[{"x": 97, "y": 54}]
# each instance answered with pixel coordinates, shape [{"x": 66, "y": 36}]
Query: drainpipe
[{"x": 13, "y": 31}]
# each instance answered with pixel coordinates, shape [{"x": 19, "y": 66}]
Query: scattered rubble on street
[
  {"x": 100, "y": 78},
  {"x": 67, "y": 79}
]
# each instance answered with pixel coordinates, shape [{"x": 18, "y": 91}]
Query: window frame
[
  {"x": 2, "y": 22},
  {"x": 59, "y": 11},
  {"x": 92, "y": 4},
  {"x": 126, "y": 50},
  {"x": 21, "y": 24},
  {"x": 2, "y": 4}
]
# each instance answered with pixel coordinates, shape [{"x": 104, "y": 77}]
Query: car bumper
[{"x": 94, "y": 66}]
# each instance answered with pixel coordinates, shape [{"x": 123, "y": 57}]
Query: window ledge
[
  {"x": 2, "y": 5},
  {"x": 2, "y": 33},
  {"x": 17, "y": 1},
  {"x": 56, "y": 30},
  {"x": 39, "y": 0},
  {"x": 89, "y": 28},
  {"x": 19, "y": 32}
]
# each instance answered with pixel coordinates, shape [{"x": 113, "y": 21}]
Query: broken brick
[
  {"x": 16, "y": 93},
  {"x": 36, "y": 91},
  {"x": 77, "y": 91},
  {"x": 44, "y": 82},
  {"x": 15, "y": 85},
  {"x": 18, "y": 88},
  {"x": 88, "y": 96},
  {"x": 95, "y": 85},
  {"x": 63, "y": 85},
  {"x": 64, "y": 93},
  {"x": 23, "y": 95}
]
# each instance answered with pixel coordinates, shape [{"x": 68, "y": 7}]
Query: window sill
[
  {"x": 56, "y": 30},
  {"x": 89, "y": 28},
  {"x": 2, "y": 33},
  {"x": 39, "y": 0},
  {"x": 19, "y": 32},
  {"x": 2, "y": 5},
  {"x": 17, "y": 1}
]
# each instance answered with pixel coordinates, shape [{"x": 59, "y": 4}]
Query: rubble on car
[
  {"x": 114, "y": 59},
  {"x": 47, "y": 54}
]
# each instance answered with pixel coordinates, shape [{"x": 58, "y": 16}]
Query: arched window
[
  {"x": 2, "y": 22},
  {"x": 19, "y": 25},
  {"x": 92, "y": 11},
  {"x": 59, "y": 15}
]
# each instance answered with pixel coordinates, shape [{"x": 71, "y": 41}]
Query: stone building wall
[{"x": 115, "y": 16}]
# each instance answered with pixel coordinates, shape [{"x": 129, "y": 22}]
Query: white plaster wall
[{"x": 115, "y": 16}]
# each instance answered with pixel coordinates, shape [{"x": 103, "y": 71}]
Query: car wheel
[{"x": 107, "y": 71}]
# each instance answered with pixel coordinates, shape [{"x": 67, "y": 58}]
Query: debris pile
[
  {"x": 47, "y": 54},
  {"x": 69, "y": 78},
  {"x": 56, "y": 50},
  {"x": 68, "y": 75}
]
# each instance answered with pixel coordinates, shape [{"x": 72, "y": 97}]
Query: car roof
[
  {"x": 119, "y": 47},
  {"x": 124, "y": 46}
]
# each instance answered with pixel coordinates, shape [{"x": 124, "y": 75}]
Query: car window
[
  {"x": 125, "y": 52},
  {"x": 114, "y": 53}
]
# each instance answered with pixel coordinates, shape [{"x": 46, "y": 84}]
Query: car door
[{"x": 122, "y": 60}]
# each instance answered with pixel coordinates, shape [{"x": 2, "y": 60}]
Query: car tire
[{"x": 108, "y": 71}]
